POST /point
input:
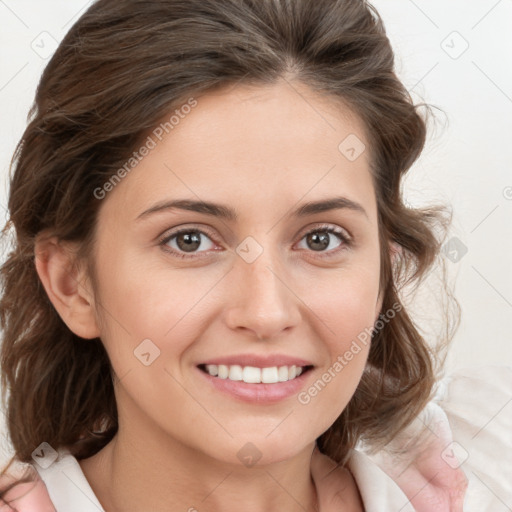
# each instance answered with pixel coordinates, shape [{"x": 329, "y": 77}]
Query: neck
[{"x": 149, "y": 473}]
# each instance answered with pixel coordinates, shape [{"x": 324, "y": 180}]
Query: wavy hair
[{"x": 120, "y": 69}]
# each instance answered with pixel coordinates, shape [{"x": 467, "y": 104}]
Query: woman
[{"x": 202, "y": 306}]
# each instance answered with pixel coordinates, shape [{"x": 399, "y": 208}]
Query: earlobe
[{"x": 65, "y": 286}]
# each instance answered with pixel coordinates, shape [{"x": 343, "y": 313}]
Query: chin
[{"x": 259, "y": 451}]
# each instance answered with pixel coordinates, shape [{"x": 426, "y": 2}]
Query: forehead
[{"x": 257, "y": 145}]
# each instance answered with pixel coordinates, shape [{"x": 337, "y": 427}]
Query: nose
[{"x": 262, "y": 300}]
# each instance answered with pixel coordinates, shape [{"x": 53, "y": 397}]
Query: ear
[{"x": 67, "y": 286}]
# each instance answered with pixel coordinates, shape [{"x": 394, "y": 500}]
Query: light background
[{"x": 467, "y": 162}]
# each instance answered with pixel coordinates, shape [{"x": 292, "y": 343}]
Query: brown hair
[{"x": 122, "y": 67}]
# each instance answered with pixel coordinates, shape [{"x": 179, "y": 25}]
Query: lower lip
[{"x": 257, "y": 393}]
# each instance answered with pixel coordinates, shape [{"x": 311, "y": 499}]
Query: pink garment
[{"x": 27, "y": 497}]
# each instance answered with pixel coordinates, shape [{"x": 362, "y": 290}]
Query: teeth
[
  {"x": 212, "y": 369},
  {"x": 235, "y": 372},
  {"x": 282, "y": 373},
  {"x": 253, "y": 375},
  {"x": 223, "y": 371},
  {"x": 269, "y": 375}
]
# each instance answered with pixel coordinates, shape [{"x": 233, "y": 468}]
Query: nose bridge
[{"x": 263, "y": 301}]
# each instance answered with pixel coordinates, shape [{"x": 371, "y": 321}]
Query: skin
[{"x": 262, "y": 151}]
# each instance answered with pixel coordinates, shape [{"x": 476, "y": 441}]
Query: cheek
[
  {"x": 346, "y": 307},
  {"x": 350, "y": 301},
  {"x": 144, "y": 297},
  {"x": 345, "y": 300},
  {"x": 150, "y": 320},
  {"x": 326, "y": 396},
  {"x": 156, "y": 302}
]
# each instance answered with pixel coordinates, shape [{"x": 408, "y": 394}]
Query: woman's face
[{"x": 244, "y": 283}]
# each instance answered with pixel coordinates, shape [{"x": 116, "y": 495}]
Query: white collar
[
  {"x": 67, "y": 486},
  {"x": 379, "y": 492}
]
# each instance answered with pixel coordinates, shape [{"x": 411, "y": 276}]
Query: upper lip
[{"x": 259, "y": 361}]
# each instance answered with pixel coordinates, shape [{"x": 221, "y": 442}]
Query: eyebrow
[{"x": 228, "y": 214}]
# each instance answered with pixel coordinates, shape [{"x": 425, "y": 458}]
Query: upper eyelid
[{"x": 171, "y": 233}]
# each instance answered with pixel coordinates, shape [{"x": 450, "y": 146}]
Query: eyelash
[{"x": 163, "y": 241}]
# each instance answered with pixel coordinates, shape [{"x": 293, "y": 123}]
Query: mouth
[{"x": 253, "y": 374}]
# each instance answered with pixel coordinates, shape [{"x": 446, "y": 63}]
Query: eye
[
  {"x": 186, "y": 240},
  {"x": 320, "y": 239}
]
